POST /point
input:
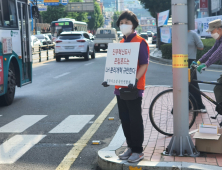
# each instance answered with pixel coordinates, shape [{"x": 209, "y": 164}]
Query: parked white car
[
  {"x": 72, "y": 43},
  {"x": 35, "y": 42}
]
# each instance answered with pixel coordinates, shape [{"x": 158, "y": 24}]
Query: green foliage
[
  {"x": 156, "y": 6},
  {"x": 53, "y": 13},
  {"x": 78, "y": 16},
  {"x": 96, "y": 20},
  {"x": 166, "y": 51},
  {"x": 115, "y": 18},
  {"x": 208, "y": 44},
  {"x": 139, "y": 29}
]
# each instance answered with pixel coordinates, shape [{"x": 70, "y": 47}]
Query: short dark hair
[{"x": 129, "y": 15}]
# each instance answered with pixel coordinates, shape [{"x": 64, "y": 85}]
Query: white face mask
[
  {"x": 126, "y": 29},
  {"x": 215, "y": 35}
]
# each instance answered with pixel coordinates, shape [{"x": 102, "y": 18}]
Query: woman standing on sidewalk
[{"x": 130, "y": 111}]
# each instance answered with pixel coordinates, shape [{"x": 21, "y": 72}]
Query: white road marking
[
  {"x": 21, "y": 124},
  {"x": 64, "y": 74},
  {"x": 72, "y": 124},
  {"x": 119, "y": 138},
  {"x": 89, "y": 63},
  {"x": 12, "y": 149}
]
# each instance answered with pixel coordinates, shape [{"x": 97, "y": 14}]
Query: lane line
[
  {"x": 89, "y": 63},
  {"x": 61, "y": 75},
  {"x": 12, "y": 149},
  {"x": 21, "y": 124},
  {"x": 70, "y": 158},
  {"x": 72, "y": 124}
]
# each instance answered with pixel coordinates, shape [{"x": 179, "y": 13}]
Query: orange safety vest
[{"x": 142, "y": 81}]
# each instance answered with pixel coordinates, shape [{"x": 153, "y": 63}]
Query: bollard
[
  {"x": 40, "y": 59},
  {"x": 47, "y": 51}
]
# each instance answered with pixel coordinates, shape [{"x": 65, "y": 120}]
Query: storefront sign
[
  {"x": 121, "y": 63},
  {"x": 163, "y": 18},
  {"x": 7, "y": 45},
  {"x": 166, "y": 34},
  {"x": 203, "y": 5},
  {"x": 1, "y": 71},
  {"x": 201, "y": 25}
]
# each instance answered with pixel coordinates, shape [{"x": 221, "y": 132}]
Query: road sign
[
  {"x": 55, "y": 2},
  {"x": 42, "y": 8},
  {"x": 80, "y": 7},
  {"x": 203, "y": 5}
]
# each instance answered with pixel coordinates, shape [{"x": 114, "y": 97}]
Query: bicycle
[{"x": 161, "y": 108}]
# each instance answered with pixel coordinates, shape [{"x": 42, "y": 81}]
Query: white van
[{"x": 104, "y": 36}]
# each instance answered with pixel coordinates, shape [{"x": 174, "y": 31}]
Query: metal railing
[{"x": 39, "y": 50}]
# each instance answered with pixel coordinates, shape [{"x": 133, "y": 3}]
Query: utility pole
[
  {"x": 36, "y": 20},
  {"x": 181, "y": 143}
]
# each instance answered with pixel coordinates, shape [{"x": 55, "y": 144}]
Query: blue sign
[
  {"x": 166, "y": 34},
  {"x": 63, "y": 2}
]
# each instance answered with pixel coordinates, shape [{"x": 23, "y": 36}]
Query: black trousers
[
  {"x": 218, "y": 90},
  {"x": 130, "y": 114},
  {"x": 197, "y": 96}
]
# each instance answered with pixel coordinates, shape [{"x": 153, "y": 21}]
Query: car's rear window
[
  {"x": 70, "y": 36},
  {"x": 105, "y": 31},
  {"x": 40, "y": 36}
]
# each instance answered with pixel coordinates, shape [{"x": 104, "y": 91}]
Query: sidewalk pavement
[{"x": 155, "y": 143}]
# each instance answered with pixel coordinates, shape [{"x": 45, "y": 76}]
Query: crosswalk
[{"x": 15, "y": 147}]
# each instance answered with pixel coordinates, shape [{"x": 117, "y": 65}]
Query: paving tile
[
  {"x": 211, "y": 160},
  {"x": 155, "y": 142},
  {"x": 184, "y": 159},
  {"x": 200, "y": 159},
  {"x": 168, "y": 158}
]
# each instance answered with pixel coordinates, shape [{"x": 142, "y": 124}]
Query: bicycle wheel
[{"x": 161, "y": 112}]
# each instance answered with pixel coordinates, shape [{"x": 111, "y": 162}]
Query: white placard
[
  {"x": 163, "y": 18},
  {"x": 201, "y": 25},
  {"x": 211, "y": 129},
  {"x": 7, "y": 45},
  {"x": 121, "y": 63}
]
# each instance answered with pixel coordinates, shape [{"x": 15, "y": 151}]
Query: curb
[
  {"x": 113, "y": 163},
  {"x": 169, "y": 62}
]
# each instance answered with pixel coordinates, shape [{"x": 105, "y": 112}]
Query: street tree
[
  {"x": 53, "y": 13},
  {"x": 139, "y": 29},
  {"x": 78, "y": 16},
  {"x": 96, "y": 19},
  {"x": 155, "y": 7},
  {"x": 115, "y": 18}
]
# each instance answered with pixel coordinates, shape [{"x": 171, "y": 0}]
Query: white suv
[{"x": 76, "y": 44}]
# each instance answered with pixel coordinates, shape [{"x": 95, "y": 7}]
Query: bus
[
  {"x": 66, "y": 24},
  {"x": 15, "y": 48}
]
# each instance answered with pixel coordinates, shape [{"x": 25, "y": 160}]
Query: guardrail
[{"x": 39, "y": 50}]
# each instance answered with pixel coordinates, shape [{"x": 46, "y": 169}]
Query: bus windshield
[{"x": 58, "y": 27}]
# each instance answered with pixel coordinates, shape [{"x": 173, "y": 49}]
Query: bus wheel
[{"x": 8, "y": 97}]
